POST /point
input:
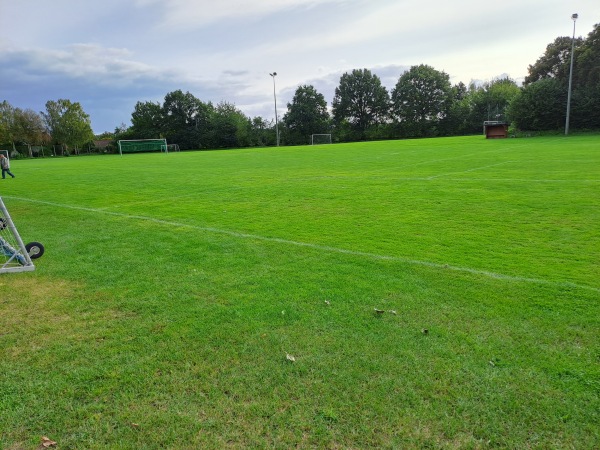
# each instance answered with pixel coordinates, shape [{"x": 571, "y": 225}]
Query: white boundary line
[{"x": 326, "y": 248}]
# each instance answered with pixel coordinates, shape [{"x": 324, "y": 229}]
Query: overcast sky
[{"x": 109, "y": 54}]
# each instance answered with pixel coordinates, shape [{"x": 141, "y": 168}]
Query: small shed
[{"x": 495, "y": 130}]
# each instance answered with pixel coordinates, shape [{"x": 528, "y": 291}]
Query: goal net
[
  {"x": 143, "y": 145},
  {"x": 13, "y": 254},
  {"x": 317, "y": 139}
]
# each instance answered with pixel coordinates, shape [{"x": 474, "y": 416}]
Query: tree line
[
  {"x": 64, "y": 125},
  {"x": 423, "y": 103}
]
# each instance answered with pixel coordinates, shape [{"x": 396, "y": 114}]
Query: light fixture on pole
[
  {"x": 574, "y": 17},
  {"x": 274, "y": 74}
]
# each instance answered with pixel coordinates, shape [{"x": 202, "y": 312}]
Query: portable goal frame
[
  {"x": 13, "y": 253},
  {"x": 327, "y": 139},
  {"x": 142, "y": 145}
]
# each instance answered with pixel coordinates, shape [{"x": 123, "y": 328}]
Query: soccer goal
[
  {"x": 14, "y": 255},
  {"x": 142, "y": 145},
  {"x": 318, "y": 139}
]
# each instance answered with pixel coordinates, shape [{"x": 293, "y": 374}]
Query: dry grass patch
[
  {"x": 32, "y": 313},
  {"x": 26, "y": 301}
]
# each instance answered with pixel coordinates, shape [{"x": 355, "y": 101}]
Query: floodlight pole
[
  {"x": 574, "y": 17},
  {"x": 274, "y": 74}
]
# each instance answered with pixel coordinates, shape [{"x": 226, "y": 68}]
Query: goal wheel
[
  {"x": 2, "y": 223},
  {"x": 34, "y": 249}
]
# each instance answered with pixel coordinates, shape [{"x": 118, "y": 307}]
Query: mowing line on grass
[
  {"x": 431, "y": 161},
  {"x": 451, "y": 158},
  {"x": 468, "y": 170},
  {"x": 319, "y": 247},
  {"x": 145, "y": 202},
  {"x": 521, "y": 180},
  {"x": 490, "y": 180}
]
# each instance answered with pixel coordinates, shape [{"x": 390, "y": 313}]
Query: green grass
[{"x": 174, "y": 285}]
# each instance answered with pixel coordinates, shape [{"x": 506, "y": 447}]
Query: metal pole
[
  {"x": 574, "y": 17},
  {"x": 274, "y": 74}
]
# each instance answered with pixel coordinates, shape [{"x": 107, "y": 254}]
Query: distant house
[{"x": 102, "y": 144}]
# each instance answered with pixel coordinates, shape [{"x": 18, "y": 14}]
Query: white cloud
[
  {"x": 197, "y": 13},
  {"x": 84, "y": 61}
]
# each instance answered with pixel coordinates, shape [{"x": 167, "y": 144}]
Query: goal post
[
  {"x": 142, "y": 145},
  {"x": 318, "y": 139}
]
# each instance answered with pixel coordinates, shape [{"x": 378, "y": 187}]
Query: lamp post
[
  {"x": 574, "y": 17},
  {"x": 274, "y": 74}
]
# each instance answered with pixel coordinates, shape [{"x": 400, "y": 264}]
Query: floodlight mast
[
  {"x": 574, "y": 17},
  {"x": 274, "y": 74}
]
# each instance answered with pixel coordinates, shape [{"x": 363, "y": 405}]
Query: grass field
[{"x": 174, "y": 286}]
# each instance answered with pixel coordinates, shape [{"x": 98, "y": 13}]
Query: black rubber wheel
[
  {"x": 35, "y": 250},
  {"x": 2, "y": 223}
]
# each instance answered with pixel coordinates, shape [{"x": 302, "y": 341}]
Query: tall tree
[
  {"x": 487, "y": 101},
  {"x": 180, "y": 110},
  {"x": 456, "y": 121},
  {"x": 261, "y": 132},
  {"x": 490, "y": 100},
  {"x": 146, "y": 120},
  {"x": 306, "y": 115},
  {"x": 186, "y": 120},
  {"x": 7, "y": 124},
  {"x": 361, "y": 102},
  {"x": 555, "y": 62},
  {"x": 30, "y": 129},
  {"x": 539, "y": 106},
  {"x": 421, "y": 99},
  {"x": 230, "y": 126},
  {"x": 588, "y": 59},
  {"x": 68, "y": 123},
  {"x": 542, "y": 104},
  {"x": 21, "y": 126},
  {"x": 586, "y": 83}
]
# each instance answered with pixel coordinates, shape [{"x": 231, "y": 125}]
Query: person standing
[{"x": 5, "y": 164}]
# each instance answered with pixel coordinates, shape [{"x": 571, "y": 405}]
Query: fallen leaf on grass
[
  {"x": 47, "y": 442},
  {"x": 379, "y": 311},
  {"x": 391, "y": 311},
  {"x": 290, "y": 357},
  {"x": 327, "y": 302}
]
